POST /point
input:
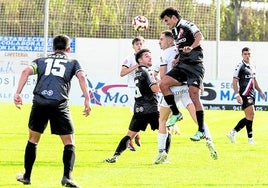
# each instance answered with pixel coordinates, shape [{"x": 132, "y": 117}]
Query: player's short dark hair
[
  {"x": 137, "y": 39},
  {"x": 245, "y": 49},
  {"x": 61, "y": 42},
  {"x": 169, "y": 12},
  {"x": 167, "y": 33},
  {"x": 140, "y": 53}
]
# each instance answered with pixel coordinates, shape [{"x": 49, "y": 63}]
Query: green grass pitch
[{"x": 97, "y": 136}]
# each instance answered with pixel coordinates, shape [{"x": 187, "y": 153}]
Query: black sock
[
  {"x": 200, "y": 120},
  {"x": 68, "y": 159},
  {"x": 168, "y": 142},
  {"x": 240, "y": 125},
  {"x": 122, "y": 146},
  {"x": 172, "y": 104},
  {"x": 249, "y": 128},
  {"x": 29, "y": 159}
]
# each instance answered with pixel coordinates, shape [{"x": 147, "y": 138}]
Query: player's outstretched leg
[{"x": 122, "y": 146}]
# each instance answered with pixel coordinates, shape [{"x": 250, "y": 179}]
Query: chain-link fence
[{"x": 98, "y": 18}]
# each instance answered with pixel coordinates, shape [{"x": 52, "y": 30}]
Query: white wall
[{"x": 104, "y": 56}]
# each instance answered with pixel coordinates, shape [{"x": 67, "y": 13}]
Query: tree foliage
[{"x": 251, "y": 25}]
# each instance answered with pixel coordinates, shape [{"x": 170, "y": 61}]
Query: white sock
[
  {"x": 207, "y": 132},
  {"x": 162, "y": 137}
]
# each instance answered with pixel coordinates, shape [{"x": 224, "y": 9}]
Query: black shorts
[
  {"x": 194, "y": 57},
  {"x": 139, "y": 122},
  {"x": 247, "y": 101},
  {"x": 190, "y": 68},
  {"x": 177, "y": 74},
  {"x": 57, "y": 114}
]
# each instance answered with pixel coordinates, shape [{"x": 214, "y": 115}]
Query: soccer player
[
  {"x": 169, "y": 51},
  {"x": 50, "y": 103},
  {"x": 244, "y": 85},
  {"x": 146, "y": 103},
  {"x": 128, "y": 68},
  {"x": 189, "y": 67}
]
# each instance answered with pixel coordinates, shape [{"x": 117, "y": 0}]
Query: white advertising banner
[
  {"x": 219, "y": 95},
  {"x": 102, "y": 60}
]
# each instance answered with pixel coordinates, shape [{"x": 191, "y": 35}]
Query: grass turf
[{"x": 97, "y": 136}]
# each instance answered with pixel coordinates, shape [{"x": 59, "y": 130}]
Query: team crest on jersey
[
  {"x": 139, "y": 109},
  {"x": 180, "y": 35},
  {"x": 47, "y": 92}
]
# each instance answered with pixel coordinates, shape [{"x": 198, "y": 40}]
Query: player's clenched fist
[{"x": 18, "y": 100}]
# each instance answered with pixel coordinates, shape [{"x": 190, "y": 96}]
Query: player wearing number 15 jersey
[
  {"x": 54, "y": 75},
  {"x": 146, "y": 104},
  {"x": 50, "y": 103}
]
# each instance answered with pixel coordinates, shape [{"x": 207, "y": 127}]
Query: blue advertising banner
[{"x": 28, "y": 44}]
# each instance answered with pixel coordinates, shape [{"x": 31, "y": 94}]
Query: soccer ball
[{"x": 140, "y": 23}]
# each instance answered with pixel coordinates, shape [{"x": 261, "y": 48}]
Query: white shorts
[{"x": 181, "y": 94}]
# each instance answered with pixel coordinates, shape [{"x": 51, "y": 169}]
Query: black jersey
[
  {"x": 190, "y": 67},
  {"x": 145, "y": 100},
  {"x": 184, "y": 33},
  {"x": 54, "y": 75},
  {"x": 246, "y": 74}
]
